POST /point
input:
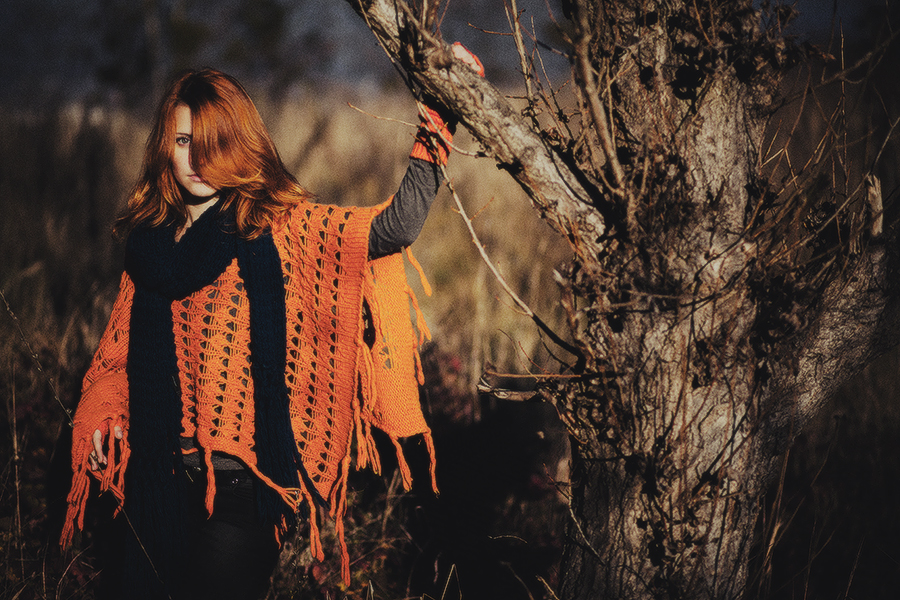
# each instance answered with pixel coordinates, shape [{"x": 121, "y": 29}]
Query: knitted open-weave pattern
[
  {"x": 323, "y": 251},
  {"x": 323, "y": 277},
  {"x": 389, "y": 401}
]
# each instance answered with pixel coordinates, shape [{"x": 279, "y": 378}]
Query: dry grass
[{"x": 838, "y": 517}]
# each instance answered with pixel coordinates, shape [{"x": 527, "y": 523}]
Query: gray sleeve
[{"x": 399, "y": 224}]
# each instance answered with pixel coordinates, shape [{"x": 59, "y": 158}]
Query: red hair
[{"x": 230, "y": 149}]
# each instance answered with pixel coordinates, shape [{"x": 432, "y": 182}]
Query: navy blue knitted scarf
[{"x": 164, "y": 271}]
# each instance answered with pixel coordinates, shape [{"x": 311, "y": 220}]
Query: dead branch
[
  {"x": 549, "y": 181},
  {"x": 512, "y": 15}
]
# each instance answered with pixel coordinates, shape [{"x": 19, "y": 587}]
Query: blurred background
[{"x": 78, "y": 84}]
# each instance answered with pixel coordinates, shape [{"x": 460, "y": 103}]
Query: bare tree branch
[{"x": 557, "y": 192}]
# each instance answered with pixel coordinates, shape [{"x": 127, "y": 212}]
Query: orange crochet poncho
[{"x": 339, "y": 387}]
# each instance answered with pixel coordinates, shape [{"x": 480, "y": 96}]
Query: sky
[
  {"x": 53, "y": 47},
  {"x": 93, "y": 48}
]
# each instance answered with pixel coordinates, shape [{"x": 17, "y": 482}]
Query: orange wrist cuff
[{"x": 433, "y": 139}]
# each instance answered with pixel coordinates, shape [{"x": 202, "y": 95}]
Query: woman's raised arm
[{"x": 401, "y": 221}]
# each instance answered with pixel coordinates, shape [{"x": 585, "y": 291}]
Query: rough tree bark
[{"x": 713, "y": 311}]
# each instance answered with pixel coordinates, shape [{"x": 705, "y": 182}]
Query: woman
[{"x": 255, "y": 336}]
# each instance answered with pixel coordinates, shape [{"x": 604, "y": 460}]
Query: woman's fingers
[
  {"x": 463, "y": 54},
  {"x": 96, "y": 458}
]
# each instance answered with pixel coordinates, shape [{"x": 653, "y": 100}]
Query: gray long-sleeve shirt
[{"x": 399, "y": 224}]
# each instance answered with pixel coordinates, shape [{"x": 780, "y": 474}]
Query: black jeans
[{"x": 231, "y": 555}]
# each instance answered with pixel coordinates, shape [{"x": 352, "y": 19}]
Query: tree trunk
[{"x": 710, "y": 307}]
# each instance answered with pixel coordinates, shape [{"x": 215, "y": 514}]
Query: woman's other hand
[{"x": 97, "y": 458}]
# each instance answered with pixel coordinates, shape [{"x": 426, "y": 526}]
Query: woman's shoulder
[
  {"x": 327, "y": 231},
  {"x": 309, "y": 216}
]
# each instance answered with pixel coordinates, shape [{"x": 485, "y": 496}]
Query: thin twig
[
  {"x": 146, "y": 553},
  {"x": 584, "y": 537},
  {"x": 542, "y": 377},
  {"x": 864, "y": 60},
  {"x": 35, "y": 358},
  {"x": 447, "y": 585},
  {"x": 598, "y": 113},
  {"x": 512, "y": 15},
  {"x": 380, "y": 118},
  {"x": 500, "y": 279},
  {"x": 488, "y": 31},
  {"x": 62, "y": 577},
  {"x": 390, "y": 501},
  {"x": 548, "y": 588},
  {"x": 455, "y": 148},
  {"x": 556, "y": 111},
  {"x": 16, "y": 459},
  {"x": 509, "y": 566}
]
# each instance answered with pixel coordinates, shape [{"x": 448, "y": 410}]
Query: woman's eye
[{"x": 182, "y": 140}]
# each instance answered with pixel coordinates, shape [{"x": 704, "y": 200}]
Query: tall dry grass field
[{"x": 499, "y": 523}]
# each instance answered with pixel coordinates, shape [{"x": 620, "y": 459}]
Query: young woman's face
[{"x": 181, "y": 158}]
